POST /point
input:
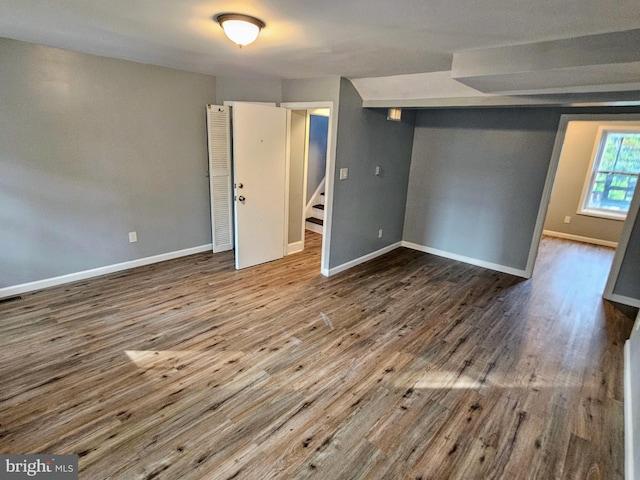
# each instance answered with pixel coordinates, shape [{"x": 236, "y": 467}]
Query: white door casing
[{"x": 329, "y": 176}]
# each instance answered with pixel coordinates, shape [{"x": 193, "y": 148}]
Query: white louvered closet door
[{"x": 221, "y": 192}]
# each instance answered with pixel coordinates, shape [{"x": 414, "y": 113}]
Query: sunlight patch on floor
[
  {"x": 451, "y": 380},
  {"x": 157, "y": 358}
]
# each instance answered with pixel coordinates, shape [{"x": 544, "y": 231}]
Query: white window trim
[{"x": 586, "y": 188}]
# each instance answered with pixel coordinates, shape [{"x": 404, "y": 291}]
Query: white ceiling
[{"x": 305, "y": 39}]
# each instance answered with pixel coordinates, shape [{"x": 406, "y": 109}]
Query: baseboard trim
[
  {"x": 631, "y": 302},
  {"x": 358, "y": 261},
  {"x": 628, "y": 416},
  {"x": 578, "y": 238},
  {"x": 471, "y": 261},
  {"x": 96, "y": 272},
  {"x": 295, "y": 247}
]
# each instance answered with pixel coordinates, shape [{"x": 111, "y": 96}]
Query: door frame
[
  {"x": 329, "y": 175},
  {"x": 546, "y": 198},
  {"x": 298, "y": 246}
]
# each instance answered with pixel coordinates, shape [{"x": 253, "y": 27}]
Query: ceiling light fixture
[
  {"x": 241, "y": 29},
  {"x": 394, "y": 114}
]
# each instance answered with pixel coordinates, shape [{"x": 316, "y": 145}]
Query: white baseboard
[
  {"x": 578, "y": 238},
  {"x": 472, "y": 261},
  {"x": 95, "y": 272},
  {"x": 295, "y": 247},
  {"x": 629, "y": 469},
  {"x": 614, "y": 297},
  {"x": 358, "y": 261}
]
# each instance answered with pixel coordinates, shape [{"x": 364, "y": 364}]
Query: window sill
[{"x": 621, "y": 217}]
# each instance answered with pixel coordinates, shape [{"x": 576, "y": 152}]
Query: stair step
[
  {"x": 319, "y": 206},
  {"x": 315, "y": 220}
]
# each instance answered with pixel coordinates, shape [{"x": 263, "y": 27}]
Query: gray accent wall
[
  {"x": 317, "y": 155},
  {"x": 365, "y": 203},
  {"x": 92, "y": 148},
  {"x": 476, "y": 181},
  {"x": 628, "y": 282},
  {"x": 632, "y": 398},
  {"x": 312, "y": 90}
]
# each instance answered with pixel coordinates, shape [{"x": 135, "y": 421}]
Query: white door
[{"x": 259, "y": 139}]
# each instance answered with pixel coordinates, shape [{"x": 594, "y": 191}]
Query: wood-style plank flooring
[{"x": 409, "y": 366}]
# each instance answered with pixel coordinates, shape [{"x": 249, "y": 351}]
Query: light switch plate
[{"x": 344, "y": 173}]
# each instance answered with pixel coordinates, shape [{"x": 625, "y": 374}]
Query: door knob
[
  {"x": 241, "y": 198},
  {"x": 239, "y": 185}
]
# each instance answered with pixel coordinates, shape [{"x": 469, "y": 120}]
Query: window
[{"x": 613, "y": 176}]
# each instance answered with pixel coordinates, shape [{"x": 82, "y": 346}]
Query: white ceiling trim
[{"x": 510, "y": 75}]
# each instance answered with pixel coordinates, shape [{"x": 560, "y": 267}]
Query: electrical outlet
[
  {"x": 380, "y": 233},
  {"x": 567, "y": 219},
  {"x": 133, "y": 237}
]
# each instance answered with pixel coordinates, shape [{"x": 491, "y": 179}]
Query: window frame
[{"x": 598, "y": 149}]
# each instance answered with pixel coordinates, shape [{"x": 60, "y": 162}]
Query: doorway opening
[
  {"x": 308, "y": 135},
  {"x": 572, "y": 181},
  {"x": 315, "y": 169},
  {"x": 309, "y": 179}
]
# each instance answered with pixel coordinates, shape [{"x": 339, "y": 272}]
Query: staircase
[{"x": 315, "y": 222}]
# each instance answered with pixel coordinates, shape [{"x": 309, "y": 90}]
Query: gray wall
[
  {"x": 317, "y": 157},
  {"x": 573, "y": 167},
  {"x": 312, "y": 90},
  {"x": 90, "y": 149},
  {"x": 248, "y": 90},
  {"x": 628, "y": 283},
  {"x": 476, "y": 181},
  {"x": 365, "y": 202},
  {"x": 634, "y": 395}
]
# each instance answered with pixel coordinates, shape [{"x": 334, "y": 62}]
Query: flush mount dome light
[{"x": 241, "y": 29}]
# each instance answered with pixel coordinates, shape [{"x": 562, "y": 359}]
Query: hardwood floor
[{"x": 409, "y": 366}]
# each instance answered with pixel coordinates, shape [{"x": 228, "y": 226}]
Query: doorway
[
  {"x": 572, "y": 129},
  {"x": 309, "y": 174},
  {"x": 588, "y": 204},
  {"x": 316, "y": 165}
]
